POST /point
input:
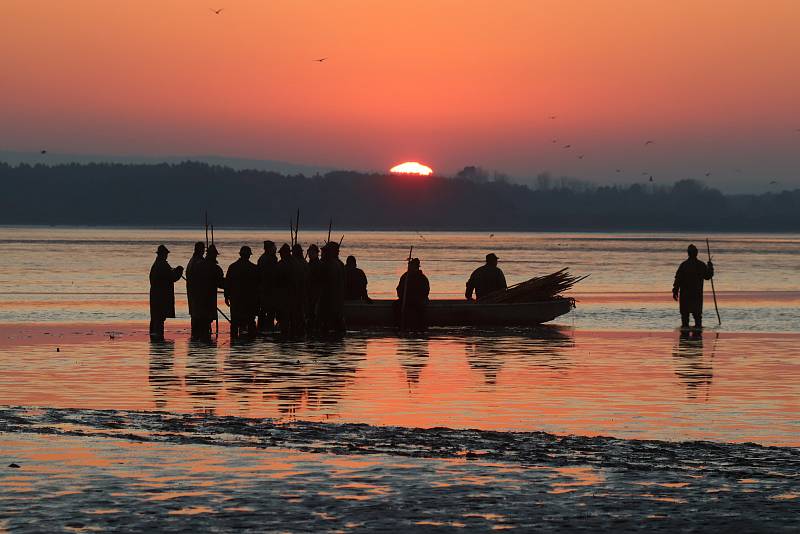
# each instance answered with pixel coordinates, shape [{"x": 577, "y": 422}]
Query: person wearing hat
[
  {"x": 207, "y": 277},
  {"x": 486, "y": 279},
  {"x": 688, "y": 287},
  {"x": 413, "y": 300},
  {"x": 162, "y": 292},
  {"x": 313, "y": 286},
  {"x": 191, "y": 291},
  {"x": 267, "y": 307},
  {"x": 286, "y": 291},
  {"x": 241, "y": 293}
]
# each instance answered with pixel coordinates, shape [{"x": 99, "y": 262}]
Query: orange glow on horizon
[{"x": 412, "y": 167}]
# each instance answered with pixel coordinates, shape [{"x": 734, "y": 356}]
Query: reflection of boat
[{"x": 460, "y": 313}]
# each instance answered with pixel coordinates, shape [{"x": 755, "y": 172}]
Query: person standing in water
[
  {"x": 191, "y": 288},
  {"x": 162, "y": 292},
  {"x": 688, "y": 287},
  {"x": 241, "y": 293}
]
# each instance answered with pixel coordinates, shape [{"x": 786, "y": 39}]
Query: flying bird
[
  {"x": 648, "y": 143},
  {"x": 773, "y": 182},
  {"x": 619, "y": 170},
  {"x": 567, "y": 146},
  {"x": 553, "y": 117},
  {"x": 491, "y": 235},
  {"x": 320, "y": 60},
  {"x": 43, "y": 152},
  {"x": 580, "y": 157},
  {"x": 708, "y": 174},
  {"x": 555, "y": 141},
  {"x": 216, "y": 11}
]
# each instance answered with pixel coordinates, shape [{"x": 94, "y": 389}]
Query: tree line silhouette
[{"x": 178, "y": 195}]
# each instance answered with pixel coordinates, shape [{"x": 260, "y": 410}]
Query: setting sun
[{"x": 412, "y": 167}]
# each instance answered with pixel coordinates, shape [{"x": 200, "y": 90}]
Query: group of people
[
  {"x": 304, "y": 293},
  {"x": 295, "y": 291}
]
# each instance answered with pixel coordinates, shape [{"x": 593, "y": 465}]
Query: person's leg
[
  {"x": 684, "y": 320},
  {"x": 698, "y": 319}
]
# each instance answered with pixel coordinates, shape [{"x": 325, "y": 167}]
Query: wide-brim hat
[{"x": 162, "y": 248}]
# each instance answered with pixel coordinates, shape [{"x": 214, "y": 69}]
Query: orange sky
[{"x": 448, "y": 83}]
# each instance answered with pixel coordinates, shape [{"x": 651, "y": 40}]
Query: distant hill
[
  {"x": 57, "y": 158},
  {"x": 178, "y": 194}
]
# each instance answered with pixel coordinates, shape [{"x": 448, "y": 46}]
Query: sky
[{"x": 714, "y": 84}]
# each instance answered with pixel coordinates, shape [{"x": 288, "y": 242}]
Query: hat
[
  {"x": 285, "y": 248},
  {"x": 491, "y": 256},
  {"x": 269, "y": 244},
  {"x": 212, "y": 251},
  {"x": 162, "y": 248},
  {"x": 414, "y": 261},
  {"x": 245, "y": 250},
  {"x": 199, "y": 246}
]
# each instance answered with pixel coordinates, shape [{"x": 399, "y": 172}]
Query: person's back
[
  {"x": 355, "y": 281},
  {"x": 267, "y": 266},
  {"x": 331, "y": 296},
  {"x": 207, "y": 277},
  {"x": 486, "y": 279},
  {"x": 688, "y": 286},
  {"x": 413, "y": 291}
]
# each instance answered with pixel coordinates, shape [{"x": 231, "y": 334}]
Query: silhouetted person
[
  {"x": 331, "y": 298},
  {"x": 688, "y": 287},
  {"x": 301, "y": 274},
  {"x": 191, "y": 290},
  {"x": 355, "y": 281},
  {"x": 267, "y": 305},
  {"x": 413, "y": 301},
  {"x": 207, "y": 277},
  {"x": 486, "y": 279},
  {"x": 286, "y": 285},
  {"x": 313, "y": 288},
  {"x": 241, "y": 293},
  {"x": 162, "y": 292}
]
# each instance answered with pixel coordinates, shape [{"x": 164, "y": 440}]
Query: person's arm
[
  {"x": 426, "y": 286},
  {"x": 470, "y": 287},
  {"x": 365, "y": 294},
  {"x": 709, "y": 271},
  {"x": 400, "y": 286},
  {"x": 503, "y": 280},
  {"x": 226, "y": 284},
  {"x": 177, "y": 272},
  {"x": 676, "y": 285}
]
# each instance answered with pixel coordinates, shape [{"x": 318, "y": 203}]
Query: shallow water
[{"x": 719, "y": 386}]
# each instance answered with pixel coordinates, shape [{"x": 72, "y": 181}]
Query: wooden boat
[{"x": 381, "y": 313}]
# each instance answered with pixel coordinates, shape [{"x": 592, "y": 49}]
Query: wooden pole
[
  {"x": 713, "y": 290},
  {"x": 297, "y": 226},
  {"x": 291, "y": 231},
  {"x": 212, "y": 234},
  {"x": 330, "y": 227},
  {"x": 405, "y": 291},
  {"x": 206, "y": 228}
]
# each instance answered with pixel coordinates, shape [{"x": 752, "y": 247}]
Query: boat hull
[{"x": 380, "y": 313}]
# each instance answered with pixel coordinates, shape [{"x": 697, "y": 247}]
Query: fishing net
[{"x": 537, "y": 289}]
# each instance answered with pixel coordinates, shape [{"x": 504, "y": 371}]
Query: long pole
[
  {"x": 206, "y": 228},
  {"x": 212, "y": 234},
  {"x": 330, "y": 227},
  {"x": 713, "y": 291},
  {"x": 405, "y": 291},
  {"x": 297, "y": 227}
]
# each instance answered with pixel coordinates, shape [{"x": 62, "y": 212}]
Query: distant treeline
[{"x": 178, "y": 195}]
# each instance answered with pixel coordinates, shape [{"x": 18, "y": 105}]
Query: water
[
  {"x": 89, "y": 274},
  {"x": 113, "y": 431}
]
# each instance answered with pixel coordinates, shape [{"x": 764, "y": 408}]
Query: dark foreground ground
[{"x": 83, "y": 470}]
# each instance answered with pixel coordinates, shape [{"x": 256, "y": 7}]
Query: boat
[{"x": 460, "y": 312}]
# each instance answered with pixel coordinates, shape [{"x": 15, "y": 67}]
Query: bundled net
[{"x": 537, "y": 289}]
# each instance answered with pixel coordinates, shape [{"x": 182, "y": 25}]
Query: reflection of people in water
[
  {"x": 413, "y": 354},
  {"x": 202, "y": 380},
  {"x": 163, "y": 380},
  {"x": 692, "y": 366}
]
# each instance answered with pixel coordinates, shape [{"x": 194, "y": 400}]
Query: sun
[{"x": 412, "y": 167}]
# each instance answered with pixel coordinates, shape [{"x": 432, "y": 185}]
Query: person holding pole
[
  {"x": 688, "y": 287},
  {"x": 207, "y": 277},
  {"x": 413, "y": 292}
]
